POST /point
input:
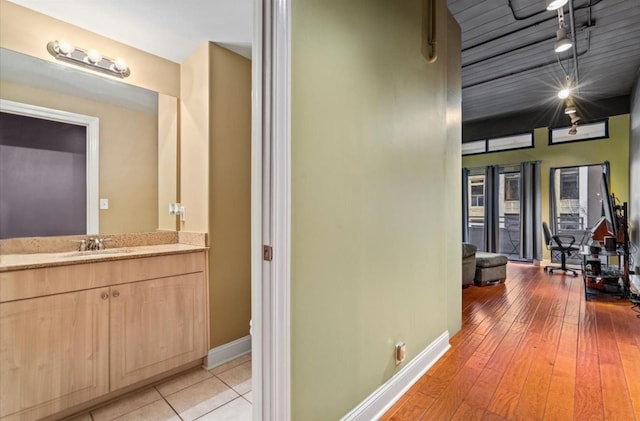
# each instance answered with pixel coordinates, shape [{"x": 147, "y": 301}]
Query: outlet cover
[{"x": 104, "y": 204}]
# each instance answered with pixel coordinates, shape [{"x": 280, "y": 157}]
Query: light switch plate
[{"x": 104, "y": 204}]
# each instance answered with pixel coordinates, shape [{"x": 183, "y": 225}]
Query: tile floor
[{"x": 223, "y": 393}]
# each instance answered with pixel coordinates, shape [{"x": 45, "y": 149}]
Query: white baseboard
[
  {"x": 227, "y": 352},
  {"x": 376, "y": 404}
]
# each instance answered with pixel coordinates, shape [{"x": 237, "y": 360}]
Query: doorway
[
  {"x": 48, "y": 172},
  {"x": 575, "y": 202}
]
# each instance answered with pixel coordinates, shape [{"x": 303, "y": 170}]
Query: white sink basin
[{"x": 90, "y": 253}]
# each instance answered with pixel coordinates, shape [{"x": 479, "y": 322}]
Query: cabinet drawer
[{"x": 21, "y": 284}]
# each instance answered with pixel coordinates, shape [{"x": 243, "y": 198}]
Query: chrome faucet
[{"x": 92, "y": 244}]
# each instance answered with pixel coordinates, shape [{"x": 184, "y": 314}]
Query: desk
[{"x": 601, "y": 278}]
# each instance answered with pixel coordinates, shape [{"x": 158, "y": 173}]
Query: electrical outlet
[{"x": 104, "y": 204}]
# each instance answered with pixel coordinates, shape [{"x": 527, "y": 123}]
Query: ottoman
[{"x": 491, "y": 268}]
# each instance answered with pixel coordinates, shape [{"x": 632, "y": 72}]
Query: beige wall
[
  {"x": 371, "y": 259},
  {"x": 634, "y": 174},
  {"x": 128, "y": 156},
  {"x": 194, "y": 140},
  {"x": 215, "y": 180},
  {"x": 168, "y": 171},
  {"x": 28, "y": 32},
  {"x": 230, "y": 196}
]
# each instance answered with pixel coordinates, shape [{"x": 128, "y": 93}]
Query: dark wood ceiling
[{"x": 509, "y": 65}]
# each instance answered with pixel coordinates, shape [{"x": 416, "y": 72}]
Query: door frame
[
  {"x": 92, "y": 125},
  {"x": 271, "y": 210}
]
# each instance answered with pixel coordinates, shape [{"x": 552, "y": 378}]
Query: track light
[
  {"x": 565, "y": 91},
  {"x": 570, "y": 107},
  {"x": 563, "y": 43},
  {"x": 555, "y": 4},
  {"x": 90, "y": 59},
  {"x": 575, "y": 119}
]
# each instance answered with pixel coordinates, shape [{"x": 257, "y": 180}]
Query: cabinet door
[
  {"x": 156, "y": 325},
  {"x": 53, "y": 352}
]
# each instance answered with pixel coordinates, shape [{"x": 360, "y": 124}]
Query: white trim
[
  {"x": 281, "y": 212},
  {"x": 227, "y": 352},
  {"x": 256, "y": 214},
  {"x": 92, "y": 125},
  {"x": 270, "y": 210},
  {"x": 383, "y": 398}
]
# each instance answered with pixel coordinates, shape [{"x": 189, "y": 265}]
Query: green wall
[
  {"x": 615, "y": 149},
  {"x": 372, "y": 213}
]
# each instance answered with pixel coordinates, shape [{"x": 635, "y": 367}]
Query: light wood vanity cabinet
[
  {"x": 155, "y": 326},
  {"x": 54, "y": 352},
  {"x": 61, "y": 350}
]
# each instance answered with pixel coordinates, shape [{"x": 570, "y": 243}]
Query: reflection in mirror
[
  {"x": 48, "y": 171},
  {"x": 128, "y": 132}
]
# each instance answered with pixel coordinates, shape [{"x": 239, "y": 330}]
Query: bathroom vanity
[{"x": 77, "y": 328}]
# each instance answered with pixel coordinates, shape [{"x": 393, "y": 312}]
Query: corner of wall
[{"x": 634, "y": 172}]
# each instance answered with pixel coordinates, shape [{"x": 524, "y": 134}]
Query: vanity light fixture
[{"x": 90, "y": 59}]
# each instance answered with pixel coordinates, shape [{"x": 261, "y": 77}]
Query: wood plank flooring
[{"x": 533, "y": 349}]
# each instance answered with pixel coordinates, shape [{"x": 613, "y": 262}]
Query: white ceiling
[{"x": 170, "y": 29}]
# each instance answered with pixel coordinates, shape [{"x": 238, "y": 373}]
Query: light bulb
[
  {"x": 120, "y": 65},
  {"x": 64, "y": 47},
  {"x": 564, "y": 93},
  {"x": 94, "y": 56}
]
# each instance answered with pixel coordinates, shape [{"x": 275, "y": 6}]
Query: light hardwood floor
[{"x": 533, "y": 349}]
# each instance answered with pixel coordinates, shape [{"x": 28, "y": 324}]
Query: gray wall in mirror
[{"x": 42, "y": 177}]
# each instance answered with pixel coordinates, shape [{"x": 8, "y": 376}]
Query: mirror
[{"x": 128, "y": 134}]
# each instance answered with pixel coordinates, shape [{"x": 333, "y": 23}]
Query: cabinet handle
[
  {"x": 104, "y": 296},
  {"x": 115, "y": 294}
]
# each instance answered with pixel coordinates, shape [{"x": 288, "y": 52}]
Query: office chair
[{"x": 563, "y": 244}]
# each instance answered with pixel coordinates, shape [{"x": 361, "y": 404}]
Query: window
[
  {"x": 511, "y": 187},
  {"x": 569, "y": 184},
  {"x": 591, "y": 131},
  {"x": 477, "y": 192},
  {"x": 519, "y": 141}
]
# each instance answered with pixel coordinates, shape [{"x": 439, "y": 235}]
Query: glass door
[
  {"x": 475, "y": 212},
  {"x": 576, "y": 205},
  {"x": 509, "y": 221}
]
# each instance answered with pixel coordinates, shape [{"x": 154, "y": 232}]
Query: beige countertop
[{"x": 9, "y": 262}]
